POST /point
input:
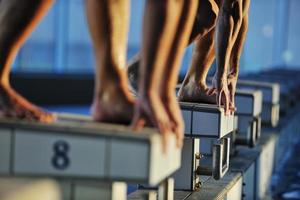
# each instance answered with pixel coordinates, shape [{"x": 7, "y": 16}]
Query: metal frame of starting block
[
  {"x": 249, "y": 108},
  {"x": 207, "y": 146},
  {"x": 187, "y": 178},
  {"x": 75, "y": 148},
  {"x": 271, "y": 97}
]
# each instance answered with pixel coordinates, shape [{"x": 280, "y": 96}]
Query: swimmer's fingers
[{"x": 223, "y": 100}]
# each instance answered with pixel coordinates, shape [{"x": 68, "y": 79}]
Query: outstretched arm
[
  {"x": 228, "y": 26},
  {"x": 236, "y": 54},
  {"x": 161, "y": 19}
]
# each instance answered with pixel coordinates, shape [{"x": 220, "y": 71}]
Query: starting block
[
  {"x": 249, "y": 107},
  {"x": 206, "y": 121},
  {"x": 208, "y": 126},
  {"x": 288, "y": 74},
  {"x": 75, "y": 148},
  {"x": 270, "y": 98},
  {"x": 288, "y": 96},
  {"x": 206, "y": 131}
]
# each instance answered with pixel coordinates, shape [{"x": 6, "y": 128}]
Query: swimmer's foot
[
  {"x": 113, "y": 105},
  {"x": 13, "y": 105},
  {"x": 197, "y": 93}
]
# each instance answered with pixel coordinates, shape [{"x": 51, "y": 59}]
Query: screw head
[
  {"x": 198, "y": 156},
  {"x": 197, "y": 185}
]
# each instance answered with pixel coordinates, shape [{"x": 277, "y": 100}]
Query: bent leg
[
  {"x": 193, "y": 88},
  {"x": 17, "y": 21},
  {"x": 108, "y": 24}
]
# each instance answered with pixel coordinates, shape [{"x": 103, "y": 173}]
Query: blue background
[{"x": 61, "y": 43}]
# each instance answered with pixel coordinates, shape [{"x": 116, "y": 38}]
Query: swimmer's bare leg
[
  {"x": 161, "y": 20},
  {"x": 170, "y": 74},
  {"x": 17, "y": 20},
  {"x": 236, "y": 55},
  {"x": 227, "y": 29},
  {"x": 193, "y": 88},
  {"x": 204, "y": 22},
  {"x": 108, "y": 23}
]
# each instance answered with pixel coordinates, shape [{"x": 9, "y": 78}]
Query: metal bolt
[
  {"x": 199, "y": 156},
  {"x": 198, "y": 185}
]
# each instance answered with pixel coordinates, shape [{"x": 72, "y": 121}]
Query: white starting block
[
  {"x": 288, "y": 74},
  {"x": 205, "y": 120},
  {"x": 76, "y": 148},
  {"x": 290, "y": 81},
  {"x": 209, "y": 124},
  {"x": 249, "y": 107},
  {"x": 288, "y": 86},
  {"x": 271, "y": 96}
]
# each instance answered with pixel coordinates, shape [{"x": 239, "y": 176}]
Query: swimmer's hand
[
  {"x": 220, "y": 89},
  {"x": 232, "y": 81}
]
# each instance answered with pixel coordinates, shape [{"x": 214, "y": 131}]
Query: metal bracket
[
  {"x": 258, "y": 127},
  {"x": 220, "y": 160},
  {"x": 186, "y": 177},
  {"x": 252, "y": 133},
  {"x": 275, "y": 111}
]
